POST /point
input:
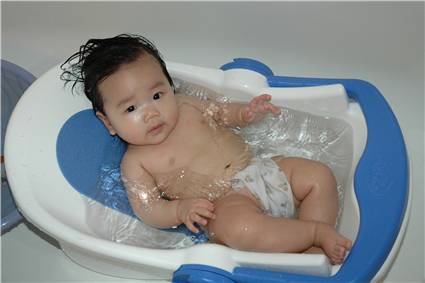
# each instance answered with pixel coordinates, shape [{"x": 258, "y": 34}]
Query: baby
[{"x": 184, "y": 164}]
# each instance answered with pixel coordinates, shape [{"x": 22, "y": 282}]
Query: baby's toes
[
  {"x": 344, "y": 243},
  {"x": 341, "y": 249},
  {"x": 338, "y": 254},
  {"x": 347, "y": 244}
]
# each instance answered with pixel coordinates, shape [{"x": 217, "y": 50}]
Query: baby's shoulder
[
  {"x": 189, "y": 100},
  {"x": 132, "y": 169},
  {"x": 131, "y": 159}
]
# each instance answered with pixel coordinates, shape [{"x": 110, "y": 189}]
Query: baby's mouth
[{"x": 156, "y": 129}]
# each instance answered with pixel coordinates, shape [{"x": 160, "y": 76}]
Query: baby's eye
[
  {"x": 130, "y": 109},
  {"x": 157, "y": 95}
]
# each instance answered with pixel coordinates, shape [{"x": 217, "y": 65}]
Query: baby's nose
[{"x": 149, "y": 113}]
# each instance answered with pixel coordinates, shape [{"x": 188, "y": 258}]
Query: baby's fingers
[
  {"x": 258, "y": 100},
  {"x": 195, "y": 218},
  {"x": 189, "y": 224},
  {"x": 204, "y": 212},
  {"x": 272, "y": 108},
  {"x": 263, "y": 98},
  {"x": 199, "y": 219},
  {"x": 206, "y": 204}
]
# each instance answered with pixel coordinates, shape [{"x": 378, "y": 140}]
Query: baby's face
[{"x": 139, "y": 103}]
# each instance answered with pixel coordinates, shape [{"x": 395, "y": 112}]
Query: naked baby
[{"x": 184, "y": 164}]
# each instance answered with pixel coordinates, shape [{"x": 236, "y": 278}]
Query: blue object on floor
[{"x": 14, "y": 81}]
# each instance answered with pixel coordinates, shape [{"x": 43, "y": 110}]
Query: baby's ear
[{"x": 106, "y": 122}]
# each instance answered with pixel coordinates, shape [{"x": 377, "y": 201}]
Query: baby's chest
[
  {"x": 169, "y": 160},
  {"x": 184, "y": 151}
]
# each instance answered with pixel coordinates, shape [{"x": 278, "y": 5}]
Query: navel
[{"x": 172, "y": 161}]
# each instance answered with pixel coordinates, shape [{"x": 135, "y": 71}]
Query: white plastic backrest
[{"x": 242, "y": 85}]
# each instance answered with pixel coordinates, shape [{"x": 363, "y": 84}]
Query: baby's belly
[
  {"x": 208, "y": 176},
  {"x": 186, "y": 183}
]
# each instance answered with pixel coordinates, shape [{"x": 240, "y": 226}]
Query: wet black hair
[{"x": 100, "y": 58}]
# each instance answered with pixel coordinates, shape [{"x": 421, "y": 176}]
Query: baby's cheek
[
  {"x": 172, "y": 116},
  {"x": 137, "y": 138},
  {"x": 132, "y": 133},
  {"x": 137, "y": 116}
]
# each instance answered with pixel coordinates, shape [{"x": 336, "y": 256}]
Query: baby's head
[
  {"x": 99, "y": 58},
  {"x": 129, "y": 86}
]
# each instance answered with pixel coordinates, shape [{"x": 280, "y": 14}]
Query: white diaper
[{"x": 269, "y": 185}]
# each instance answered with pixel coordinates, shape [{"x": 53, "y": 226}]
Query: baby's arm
[
  {"x": 239, "y": 114},
  {"x": 147, "y": 203}
]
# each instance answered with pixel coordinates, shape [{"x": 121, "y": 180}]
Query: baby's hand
[
  {"x": 257, "y": 108},
  {"x": 195, "y": 210}
]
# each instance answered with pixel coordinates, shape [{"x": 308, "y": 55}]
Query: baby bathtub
[{"x": 376, "y": 203}]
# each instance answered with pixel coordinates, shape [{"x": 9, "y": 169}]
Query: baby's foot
[{"x": 333, "y": 244}]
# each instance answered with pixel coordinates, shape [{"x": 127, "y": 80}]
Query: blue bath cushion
[{"x": 89, "y": 158}]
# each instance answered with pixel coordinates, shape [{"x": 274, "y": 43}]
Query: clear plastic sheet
[{"x": 292, "y": 133}]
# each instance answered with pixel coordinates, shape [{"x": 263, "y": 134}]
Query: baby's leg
[
  {"x": 241, "y": 224},
  {"x": 314, "y": 188}
]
